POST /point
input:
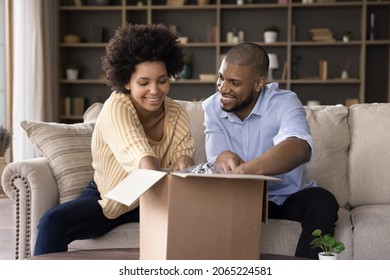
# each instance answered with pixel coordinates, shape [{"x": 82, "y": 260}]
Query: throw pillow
[
  {"x": 329, "y": 164},
  {"x": 92, "y": 113},
  {"x": 67, "y": 147}
]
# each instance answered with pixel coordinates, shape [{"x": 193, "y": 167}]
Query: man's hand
[
  {"x": 183, "y": 162},
  {"x": 280, "y": 159},
  {"x": 226, "y": 162}
]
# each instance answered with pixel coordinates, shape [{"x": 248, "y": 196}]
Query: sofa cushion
[
  {"x": 196, "y": 117},
  {"x": 329, "y": 164},
  {"x": 93, "y": 111},
  {"x": 123, "y": 236},
  {"x": 371, "y": 227},
  {"x": 369, "y": 159},
  {"x": 67, "y": 147},
  {"x": 281, "y": 236}
]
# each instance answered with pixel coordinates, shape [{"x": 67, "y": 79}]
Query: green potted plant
[
  {"x": 271, "y": 33},
  {"x": 347, "y": 36},
  {"x": 5, "y": 142},
  {"x": 329, "y": 245},
  {"x": 188, "y": 69}
]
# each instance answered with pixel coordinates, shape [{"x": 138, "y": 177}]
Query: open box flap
[{"x": 134, "y": 185}]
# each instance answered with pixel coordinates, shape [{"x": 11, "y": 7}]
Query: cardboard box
[{"x": 197, "y": 216}]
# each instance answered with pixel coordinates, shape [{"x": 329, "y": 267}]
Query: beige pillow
[
  {"x": 67, "y": 147},
  {"x": 196, "y": 117},
  {"x": 93, "y": 111},
  {"x": 329, "y": 164}
]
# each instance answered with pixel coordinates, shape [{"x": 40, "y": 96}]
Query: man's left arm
[
  {"x": 281, "y": 158},
  {"x": 292, "y": 142}
]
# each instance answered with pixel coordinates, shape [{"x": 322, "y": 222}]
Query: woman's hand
[
  {"x": 149, "y": 163},
  {"x": 183, "y": 162}
]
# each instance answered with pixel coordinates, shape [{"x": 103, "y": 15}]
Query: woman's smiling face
[{"x": 149, "y": 84}]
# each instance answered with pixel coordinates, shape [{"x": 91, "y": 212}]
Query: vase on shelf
[
  {"x": 344, "y": 74},
  {"x": 72, "y": 74}
]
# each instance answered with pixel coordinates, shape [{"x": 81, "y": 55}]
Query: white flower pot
[
  {"x": 322, "y": 256},
  {"x": 72, "y": 74},
  {"x": 270, "y": 36},
  {"x": 344, "y": 74}
]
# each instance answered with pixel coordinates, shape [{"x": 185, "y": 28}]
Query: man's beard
[{"x": 241, "y": 105}]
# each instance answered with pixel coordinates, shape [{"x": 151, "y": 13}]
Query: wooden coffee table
[{"x": 123, "y": 254}]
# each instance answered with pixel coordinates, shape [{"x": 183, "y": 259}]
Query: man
[{"x": 256, "y": 128}]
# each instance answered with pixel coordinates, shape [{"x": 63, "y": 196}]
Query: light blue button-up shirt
[{"x": 277, "y": 115}]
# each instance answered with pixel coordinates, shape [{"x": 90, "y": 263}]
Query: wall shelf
[{"x": 367, "y": 82}]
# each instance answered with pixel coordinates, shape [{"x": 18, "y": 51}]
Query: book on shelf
[
  {"x": 323, "y": 69},
  {"x": 323, "y": 39},
  {"x": 321, "y": 34},
  {"x": 284, "y": 71},
  {"x": 293, "y": 32},
  {"x": 74, "y": 106},
  {"x": 323, "y": 30}
]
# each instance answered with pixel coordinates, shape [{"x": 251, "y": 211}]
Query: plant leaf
[
  {"x": 338, "y": 247},
  {"x": 317, "y": 232},
  {"x": 328, "y": 240}
]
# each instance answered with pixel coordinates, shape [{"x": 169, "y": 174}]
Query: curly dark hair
[{"x": 134, "y": 44}]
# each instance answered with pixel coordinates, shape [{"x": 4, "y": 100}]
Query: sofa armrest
[{"x": 32, "y": 186}]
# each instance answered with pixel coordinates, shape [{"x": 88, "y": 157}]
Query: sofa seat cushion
[
  {"x": 344, "y": 233},
  {"x": 371, "y": 232},
  {"x": 67, "y": 148},
  {"x": 279, "y": 237},
  {"x": 123, "y": 236},
  {"x": 329, "y": 164}
]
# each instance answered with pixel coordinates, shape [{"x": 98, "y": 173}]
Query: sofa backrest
[
  {"x": 329, "y": 164},
  {"x": 369, "y": 156},
  {"x": 195, "y": 114}
]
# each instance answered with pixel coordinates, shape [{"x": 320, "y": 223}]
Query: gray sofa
[{"x": 351, "y": 159}]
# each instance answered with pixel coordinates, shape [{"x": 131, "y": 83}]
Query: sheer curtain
[{"x": 34, "y": 57}]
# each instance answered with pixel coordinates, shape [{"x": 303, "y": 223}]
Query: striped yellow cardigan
[{"x": 119, "y": 143}]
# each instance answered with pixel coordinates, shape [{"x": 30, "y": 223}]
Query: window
[{"x": 2, "y": 62}]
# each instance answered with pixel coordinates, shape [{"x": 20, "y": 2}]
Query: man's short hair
[{"x": 249, "y": 54}]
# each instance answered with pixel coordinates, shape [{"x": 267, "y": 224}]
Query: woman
[{"x": 138, "y": 127}]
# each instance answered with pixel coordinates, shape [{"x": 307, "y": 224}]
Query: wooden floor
[{"x": 7, "y": 229}]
